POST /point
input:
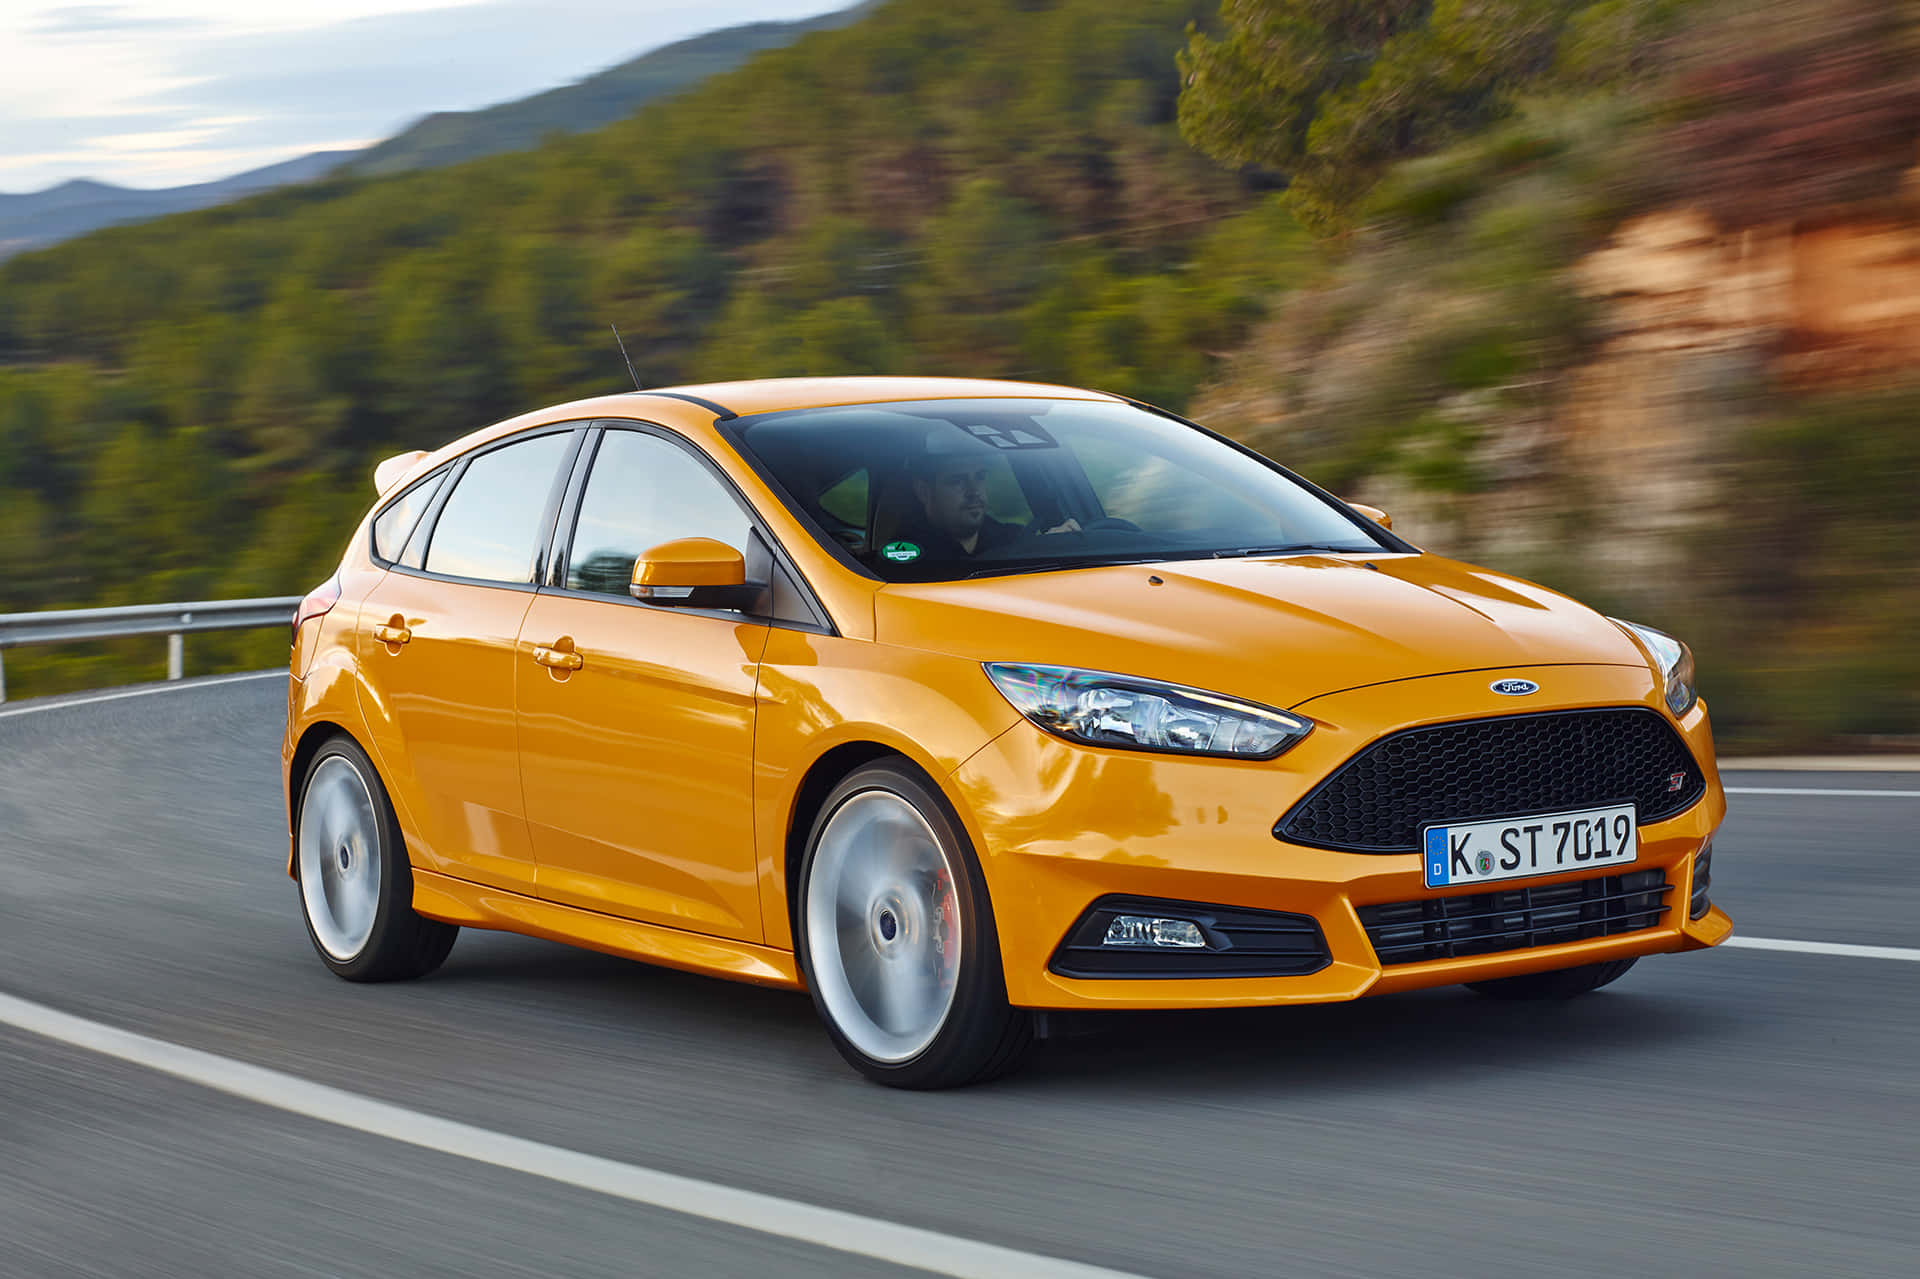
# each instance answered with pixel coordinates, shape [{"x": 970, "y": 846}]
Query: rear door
[
  {"x": 638, "y": 765},
  {"x": 437, "y": 647}
]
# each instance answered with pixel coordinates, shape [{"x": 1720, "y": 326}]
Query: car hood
[{"x": 1277, "y": 630}]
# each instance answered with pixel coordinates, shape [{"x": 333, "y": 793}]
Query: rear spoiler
[{"x": 388, "y": 473}]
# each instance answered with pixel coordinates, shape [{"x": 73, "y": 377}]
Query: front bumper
[{"x": 1061, "y": 825}]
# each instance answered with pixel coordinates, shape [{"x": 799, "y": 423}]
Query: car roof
[
  {"x": 701, "y": 405},
  {"x": 768, "y": 395}
]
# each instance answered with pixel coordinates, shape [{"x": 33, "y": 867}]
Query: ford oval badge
[{"x": 1514, "y": 687}]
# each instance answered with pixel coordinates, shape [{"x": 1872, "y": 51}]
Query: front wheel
[
  {"x": 1561, "y": 983},
  {"x": 356, "y": 886},
  {"x": 897, "y": 940}
]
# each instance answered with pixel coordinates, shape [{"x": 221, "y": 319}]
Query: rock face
[
  {"x": 1688, "y": 318},
  {"x": 1604, "y": 472},
  {"x": 1834, "y": 302},
  {"x": 1855, "y": 299},
  {"x": 1694, "y": 322}
]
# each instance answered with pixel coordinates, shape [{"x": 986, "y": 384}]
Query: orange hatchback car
[{"x": 952, "y": 701}]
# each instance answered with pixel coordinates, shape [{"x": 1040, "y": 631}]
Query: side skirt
[{"x": 456, "y": 901}]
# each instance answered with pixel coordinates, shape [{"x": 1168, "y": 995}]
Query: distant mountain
[
  {"x": 448, "y": 137},
  {"x": 40, "y": 218}
]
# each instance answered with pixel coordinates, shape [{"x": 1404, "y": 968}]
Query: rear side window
[
  {"x": 392, "y": 526},
  {"x": 490, "y": 526},
  {"x": 644, "y": 491}
]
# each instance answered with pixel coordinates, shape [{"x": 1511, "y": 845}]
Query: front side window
[
  {"x": 960, "y": 488},
  {"x": 491, "y": 524},
  {"x": 642, "y": 491}
]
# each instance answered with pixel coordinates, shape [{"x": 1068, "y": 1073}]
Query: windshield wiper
[
  {"x": 1050, "y": 566},
  {"x": 1295, "y": 548}
]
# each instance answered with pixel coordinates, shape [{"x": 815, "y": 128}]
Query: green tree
[
  {"x": 1331, "y": 93},
  {"x": 986, "y": 256},
  {"x": 1252, "y": 92}
]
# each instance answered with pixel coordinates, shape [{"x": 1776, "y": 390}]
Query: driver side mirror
[
  {"x": 1373, "y": 513},
  {"x": 694, "y": 572}
]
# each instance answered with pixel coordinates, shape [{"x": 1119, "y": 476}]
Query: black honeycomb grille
[
  {"x": 1515, "y": 918},
  {"x": 1509, "y": 766}
]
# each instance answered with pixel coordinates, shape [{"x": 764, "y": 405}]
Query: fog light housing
[
  {"x": 1125, "y": 937},
  {"x": 1149, "y": 930},
  {"x": 1702, "y": 881}
]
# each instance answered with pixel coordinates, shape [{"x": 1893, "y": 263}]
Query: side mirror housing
[
  {"x": 694, "y": 572},
  {"x": 1373, "y": 513}
]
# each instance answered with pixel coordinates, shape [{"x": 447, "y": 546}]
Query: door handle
[
  {"x": 392, "y": 632},
  {"x": 559, "y": 659}
]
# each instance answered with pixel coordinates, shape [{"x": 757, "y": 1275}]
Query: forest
[{"x": 1136, "y": 195}]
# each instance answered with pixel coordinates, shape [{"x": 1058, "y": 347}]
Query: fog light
[{"x": 1145, "y": 930}]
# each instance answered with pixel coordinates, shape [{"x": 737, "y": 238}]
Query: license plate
[{"x": 1517, "y": 847}]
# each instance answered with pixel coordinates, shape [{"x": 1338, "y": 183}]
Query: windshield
[{"x": 931, "y": 490}]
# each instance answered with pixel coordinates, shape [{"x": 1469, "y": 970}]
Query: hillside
[
  {"x": 1658, "y": 346},
  {"x": 41, "y": 218},
  {"x": 188, "y": 407},
  {"x": 448, "y": 137},
  {"x": 1371, "y": 238}
]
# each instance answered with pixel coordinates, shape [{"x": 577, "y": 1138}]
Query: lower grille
[{"x": 1515, "y": 918}]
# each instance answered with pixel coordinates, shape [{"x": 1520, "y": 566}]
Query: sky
[{"x": 168, "y": 92}]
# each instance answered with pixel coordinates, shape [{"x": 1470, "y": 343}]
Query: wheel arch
[
  {"x": 315, "y": 735},
  {"x": 810, "y": 796}
]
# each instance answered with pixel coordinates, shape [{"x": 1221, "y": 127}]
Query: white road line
[
  {"x": 1805, "y": 790},
  {"x": 1826, "y": 948},
  {"x": 764, "y": 1214},
  {"x": 62, "y": 704}
]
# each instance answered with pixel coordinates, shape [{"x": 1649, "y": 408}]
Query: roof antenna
[{"x": 627, "y": 358}]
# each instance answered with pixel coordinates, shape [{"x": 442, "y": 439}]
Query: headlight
[
  {"x": 1671, "y": 658},
  {"x": 1098, "y": 709}
]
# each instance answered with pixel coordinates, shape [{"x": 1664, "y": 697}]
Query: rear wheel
[
  {"x": 356, "y": 887},
  {"x": 897, "y": 939},
  {"x": 1560, "y": 983}
]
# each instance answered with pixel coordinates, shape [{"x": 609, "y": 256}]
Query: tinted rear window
[{"x": 490, "y": 526}]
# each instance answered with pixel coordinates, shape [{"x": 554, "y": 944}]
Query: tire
[
  {"x": 888, "y": 881},
  {"x": 1560, "y": 983},
  {"x": 356, "y": 885}
]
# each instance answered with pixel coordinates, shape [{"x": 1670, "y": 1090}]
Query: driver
[{"x": 950, "y": 495}]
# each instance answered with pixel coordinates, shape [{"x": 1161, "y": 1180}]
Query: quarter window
[
  {"x": 391, "y": 526},
  {"x": 643, "y": 491},
  {"x": 490, "y": 526}
]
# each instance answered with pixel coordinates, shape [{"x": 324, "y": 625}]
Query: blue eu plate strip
[{"x": 1437, "y": 857}]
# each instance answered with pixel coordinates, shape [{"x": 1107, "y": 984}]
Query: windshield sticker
[
  {"x": 901, "y": 552},
  {"x": 1028, "y": 436}
]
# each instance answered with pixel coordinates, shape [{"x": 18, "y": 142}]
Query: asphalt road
[{"x": 1728, "y": 1111}]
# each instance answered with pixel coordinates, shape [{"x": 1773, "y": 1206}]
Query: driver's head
[{"x": 950, "y": 482}]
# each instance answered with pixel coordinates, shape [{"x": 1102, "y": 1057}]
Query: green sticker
[{"x": 901, "y": 552}]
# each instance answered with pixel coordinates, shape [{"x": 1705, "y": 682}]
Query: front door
[
  {"x": 637, "y": 763},
  {"x": 437, "y": 648}
]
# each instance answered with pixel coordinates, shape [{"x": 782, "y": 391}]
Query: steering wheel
[{"x": 1111, "y": 523}]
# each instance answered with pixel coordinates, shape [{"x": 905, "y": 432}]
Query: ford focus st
[{"x": 953, "y": 701}]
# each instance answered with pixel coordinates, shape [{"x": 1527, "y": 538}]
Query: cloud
[
  {"x": 375, "y": 75},
  {"x": 223, "y": 88},
  {"x": 20, "y": 135},
  {"x": 100, "y": 19}
]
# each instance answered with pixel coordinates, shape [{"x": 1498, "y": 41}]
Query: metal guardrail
[{"x": 56, "y": 626}]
